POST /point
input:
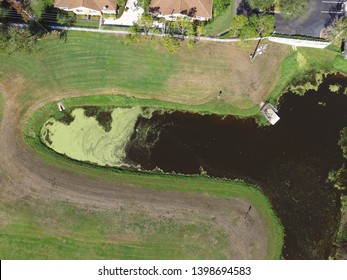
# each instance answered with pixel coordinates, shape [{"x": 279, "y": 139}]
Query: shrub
[
  {"x": 219, "y": 6},
  {"x": 171, "y": 44}
]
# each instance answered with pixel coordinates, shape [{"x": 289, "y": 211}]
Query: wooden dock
[{"x": 269, "y": 112}]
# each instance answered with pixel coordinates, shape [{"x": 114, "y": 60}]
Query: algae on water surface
[{"x": 85, "y": 140}]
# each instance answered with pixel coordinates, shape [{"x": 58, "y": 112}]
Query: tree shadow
[
  {"x": 8, "y": 14},
  {"x": 245, "y": 9},
  {"x": 333, "y": 14}
]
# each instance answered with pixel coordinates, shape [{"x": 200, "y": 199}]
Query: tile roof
[
  {"x": 193, "y": 8},
  {"x": 89, "y": 4}
]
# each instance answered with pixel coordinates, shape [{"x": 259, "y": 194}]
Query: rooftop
[
  {"x": 192, "y": 8},
  {"x": 97, "y": 5}
]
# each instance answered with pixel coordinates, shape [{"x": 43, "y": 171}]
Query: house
[
  {"x": 87, "y": 7},
  {"x": 171, "y": 9}
]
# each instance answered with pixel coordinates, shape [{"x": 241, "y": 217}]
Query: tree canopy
[
  {"x": 172, "y": 45},
  {"x": 247, "y": 32},
  {"x": 16, "y": 40},
  {"x": 261, "y": 4},
  {"x": 238, "y": 23},
  {"x": 146, "y": 22},
  {"x": 252, "y": 27},
  {"x": 343, "y": 141},
  {"x": 219, "y": 6},
  {"x": 293, "y": 8},
  {"x": 337, "y": 29},
  {"x": 182, "y": 25},
  {"x": 264, "y": 24}
]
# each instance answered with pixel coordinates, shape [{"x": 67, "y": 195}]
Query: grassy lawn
[
  {"x": 93, "y": 23},
  {"x": 1, "y": 105},
  {"x": 98, "y": 63},
  {"x": 222, "y": 22},
  {"x": 77, "y": 233},
  {"x": 38, "y": 5}
]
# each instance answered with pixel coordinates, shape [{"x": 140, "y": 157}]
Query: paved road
[{"x": 320, "y": 15}]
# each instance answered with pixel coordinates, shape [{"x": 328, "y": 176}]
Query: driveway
[
  {"x": 129, "y": 15},
  {"x": 321, "y": 14}
]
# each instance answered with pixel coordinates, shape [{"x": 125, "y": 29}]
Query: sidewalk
[{"x": 130, "y": 15}]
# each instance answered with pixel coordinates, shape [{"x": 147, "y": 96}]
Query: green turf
[
  {"x": 1, "y": 105},
  {"x": 91, "y": 63},
  {"x": 75, "y": 233},
  {"x": 94, "y": 61}
]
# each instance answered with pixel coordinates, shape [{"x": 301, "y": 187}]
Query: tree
[
  {"x": 337, "y": 29},
  {"x": 238, "y": 23},
  {"x": 200, "y": 30},
  {"x": 134, "y": 36},
  {"x": 261, "y": 4},
  {"x": 191, "y": 37},
  {"x": 144, "y": 4},
  {"x": 247, "y": 32},
  {"x": 293, "y": 8},
  {"x": 339, "y": 177},
  {"x": 17, "y": 40},
  {"x": 219, "y": 6},
  {"x": 182, "y": 25},
  {"x": 264, "y": 24},
  {"x": 171, "y": 44},
  {"x": 343, "y": 141},
  {"x": 146, "y": 22}
]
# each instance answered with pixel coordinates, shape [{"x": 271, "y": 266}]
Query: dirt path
[{"x": 24, "y": 173}]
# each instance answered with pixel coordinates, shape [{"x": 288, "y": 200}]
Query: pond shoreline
[{"x": 203, "y": 170}]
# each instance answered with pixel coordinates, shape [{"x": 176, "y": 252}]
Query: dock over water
[{"x": 269, "y": 112}]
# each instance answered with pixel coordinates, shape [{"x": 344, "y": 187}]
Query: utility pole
[
  {"x": 20, "y": 10},
  {"x": 27, "y": 17}
]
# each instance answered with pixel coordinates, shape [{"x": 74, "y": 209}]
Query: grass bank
[
  {"x": 191, "y": 184},
  {"x": 212, "y": 107},
  {"x": 299, "y": 70}
]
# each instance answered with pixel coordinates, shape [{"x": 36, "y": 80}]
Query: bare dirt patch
[{"x": 227, "y": 69}]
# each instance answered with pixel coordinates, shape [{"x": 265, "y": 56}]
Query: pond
[{"x": 289, "y": 161}]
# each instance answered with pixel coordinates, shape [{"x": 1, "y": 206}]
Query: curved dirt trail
[{"x": 23, "y": 173}]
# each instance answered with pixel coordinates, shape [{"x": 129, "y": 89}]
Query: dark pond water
[{"x": 289, "y": 161}]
